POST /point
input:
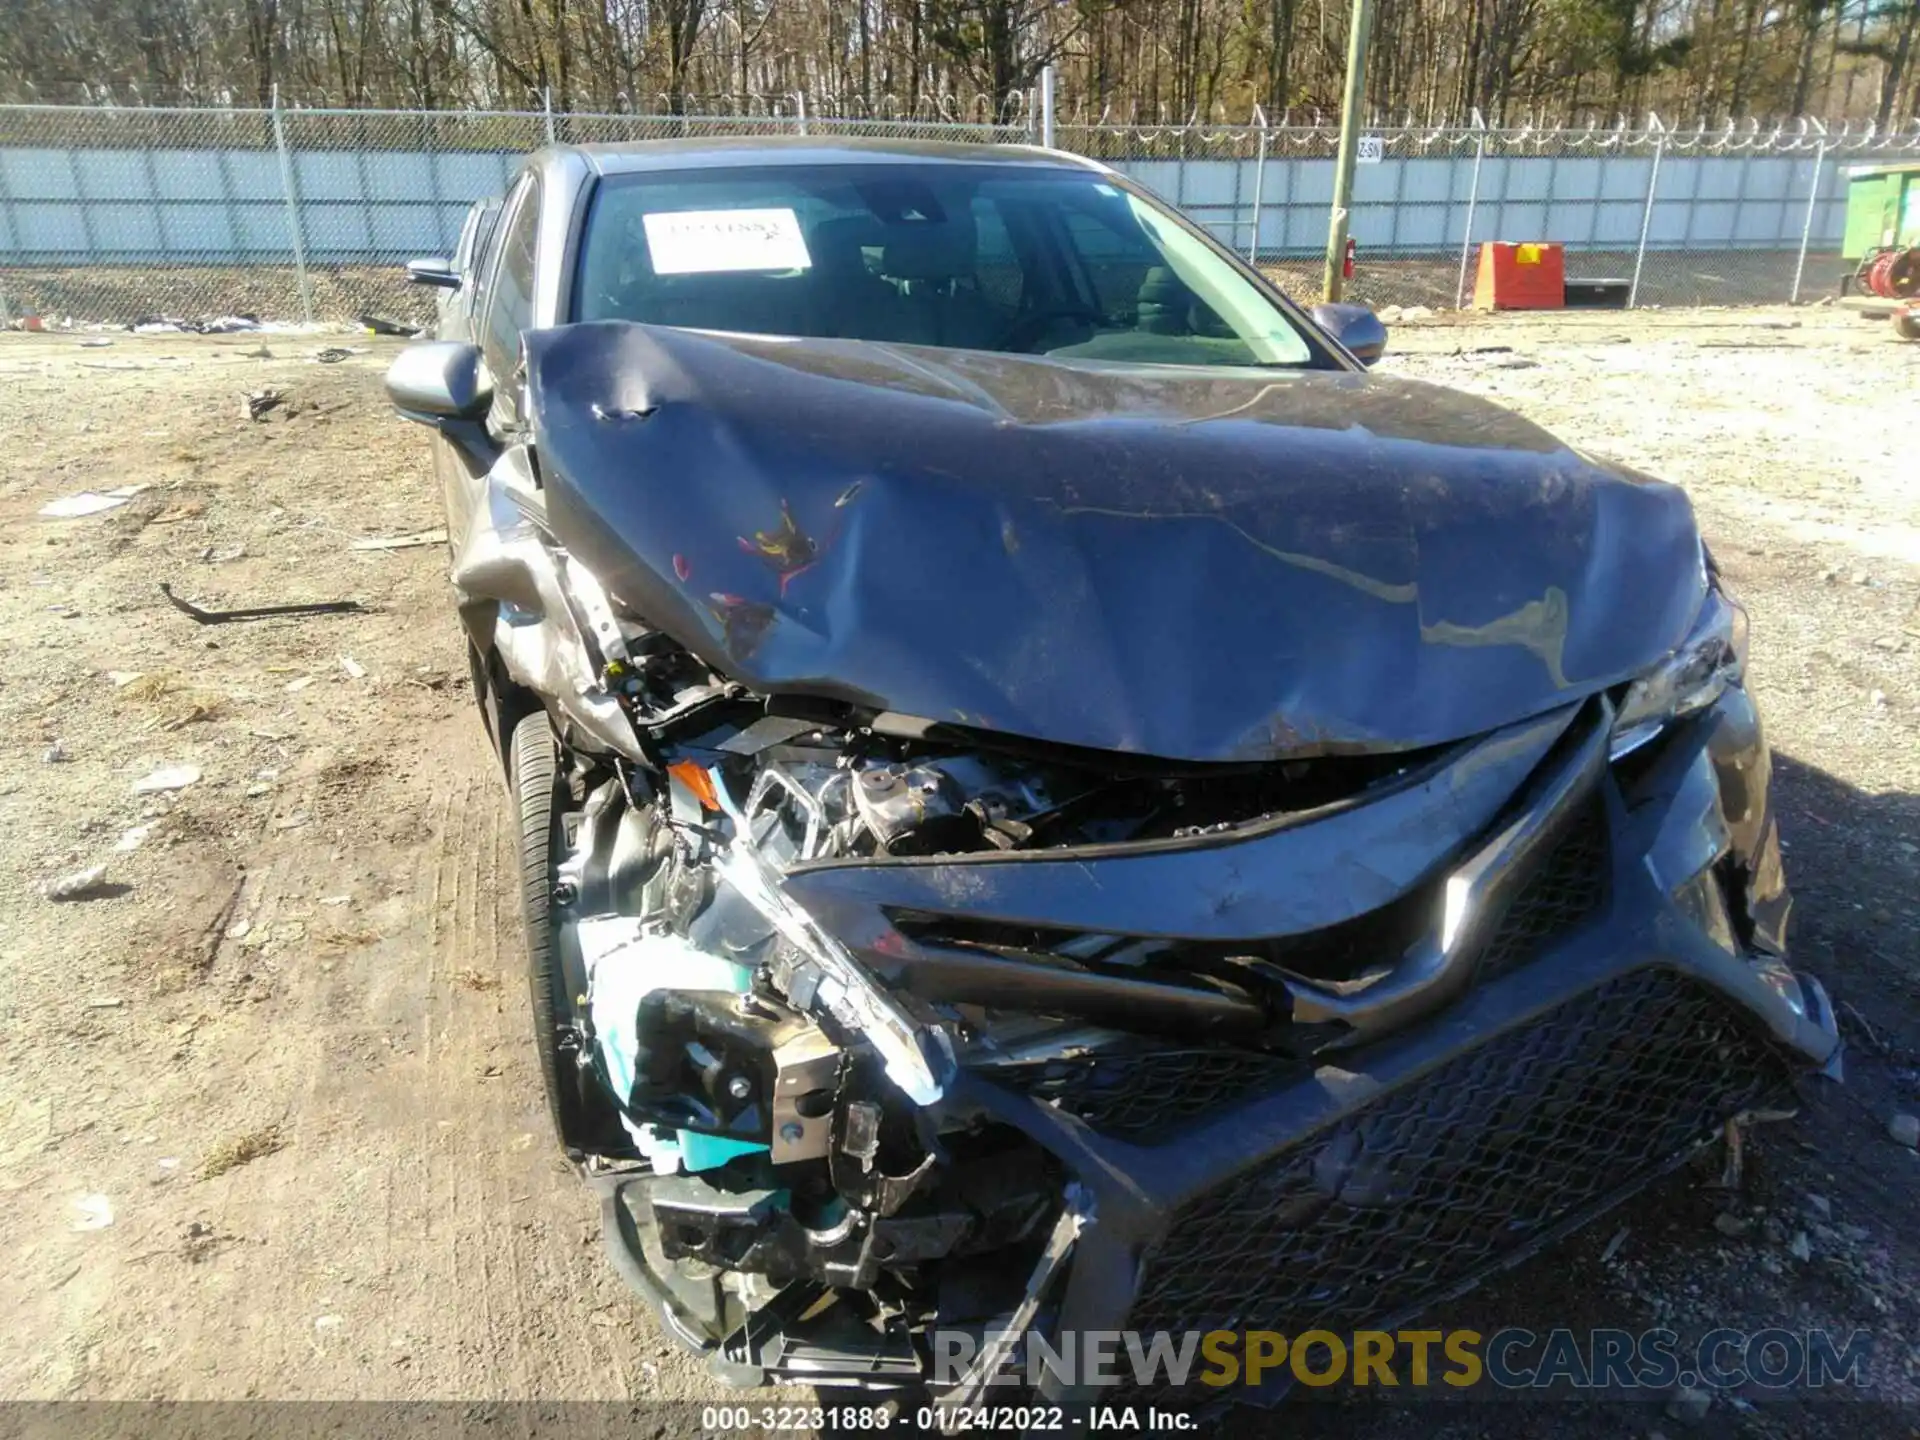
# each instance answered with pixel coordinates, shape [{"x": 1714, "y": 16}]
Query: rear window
[{"x": 1043, "y": 262}]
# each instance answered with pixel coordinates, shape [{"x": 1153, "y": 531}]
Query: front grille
[
  {"x": 1435, "y": 1183},
  {"x": 1144, "y": 1097},
  {"x": 1569, "y": 886}
]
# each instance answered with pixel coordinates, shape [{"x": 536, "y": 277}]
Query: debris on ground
[
  {"x": 256, "y": 404},
  {"x": 90, "y": 502},
  {"x": 243, "y": 1150},
  {"x": 81, "y": 885},
  {"x": 401, "y": 542},
  {"x": 1688, "y": 1405},
  {"x": 132, "y": 839},
  {"x": 1846, "y": 809},
  {"x": 353, "y": 668},
  {"x": 381, "y": 326},
  {"x": 213, "y": 325},
  {"x": 334, "y": 354},
  {"x": 168, "y": 777},
  {"x": 258, "y": 612},
  {"x": 55, "y": 754},
  {"x": 90, "y": 1212}
]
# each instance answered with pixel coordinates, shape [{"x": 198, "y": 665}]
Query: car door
[
  {"x": 501, "y": 307},
  {"x": 455, "y": 320}
]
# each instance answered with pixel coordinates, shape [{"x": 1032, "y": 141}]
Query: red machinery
[{"x": 1893, "y": 274}]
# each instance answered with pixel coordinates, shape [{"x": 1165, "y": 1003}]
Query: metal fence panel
[{"x": 121, "y": 214}]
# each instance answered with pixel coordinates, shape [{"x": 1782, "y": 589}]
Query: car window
[
  {"x": 509, "y": 303},
  {"x": 1114, "y": 265},
  {"x": 473, "y": 235},
  {"x": 978, "y": 257},
  {"x": 486, "y": 251}
]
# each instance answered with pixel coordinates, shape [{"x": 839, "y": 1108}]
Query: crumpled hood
[{"x": 1200, "y": 565}]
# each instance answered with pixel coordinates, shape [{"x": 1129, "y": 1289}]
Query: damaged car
[{"x": 1049, "y": 798}]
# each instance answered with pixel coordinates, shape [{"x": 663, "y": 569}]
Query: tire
[{"x": 534, "y": 768}]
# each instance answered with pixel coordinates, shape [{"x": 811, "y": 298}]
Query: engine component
[
  {"x": 912, "y": 810},
  {"x": 805, "y": 1069}
]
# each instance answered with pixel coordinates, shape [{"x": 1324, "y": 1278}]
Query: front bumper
[{"x": 1612, "y": 1024}]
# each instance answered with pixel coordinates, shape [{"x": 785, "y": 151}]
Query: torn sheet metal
[{"x": 504, "y": 570}]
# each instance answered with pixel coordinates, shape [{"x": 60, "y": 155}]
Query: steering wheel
[{"x": 1029, "y": 328}]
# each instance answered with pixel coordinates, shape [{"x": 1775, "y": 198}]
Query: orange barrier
[{"x": 1520, "y": 277}]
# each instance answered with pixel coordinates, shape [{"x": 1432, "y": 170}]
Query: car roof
[{"x": 714, "y": 152}]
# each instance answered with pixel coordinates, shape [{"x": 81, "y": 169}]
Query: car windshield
[{"x": 1042, "y": 262}]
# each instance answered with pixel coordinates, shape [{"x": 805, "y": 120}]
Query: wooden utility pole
[{"x": 1351, "y": 105}]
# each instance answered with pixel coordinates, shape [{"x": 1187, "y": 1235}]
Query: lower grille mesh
[
  {"x": 1146, "y": 1097},
  {"x": 1436, "y": 1182},
  {"x": 1569, "y": 886}
]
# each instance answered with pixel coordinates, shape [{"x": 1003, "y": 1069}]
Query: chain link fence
[
  {"x": 124, "y": 216},
  {"x": 151, "y": 216},
  {"x": 1736, "y": 216}
]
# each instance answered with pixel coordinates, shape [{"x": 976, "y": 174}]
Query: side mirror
[
  {"x": 1354, "y": 326},
  {"x": 433, "y": 270},
  {"x": 437, "y": 381}
]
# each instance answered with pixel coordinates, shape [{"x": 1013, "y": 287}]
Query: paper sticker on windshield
[{"x": 691, "y": 242}]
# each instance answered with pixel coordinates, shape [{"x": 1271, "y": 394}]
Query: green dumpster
[{"x": 1883, "y": 208}]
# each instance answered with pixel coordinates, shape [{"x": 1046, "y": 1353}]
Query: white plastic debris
[
  {"x": 355, "y": 670},
  {"x": 123, "y": 678},
  {"x": 90, "y": 1212},
  {"x": 55, "y": 754},
  {"x": 78, "y": 885},
  {"x": 294, "y": 687},
  {"x": 136, "y": 837},
  {"x": 167, "y": 777},
  {"x": 89, "y": 502}
]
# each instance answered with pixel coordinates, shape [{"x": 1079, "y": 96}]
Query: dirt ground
[{"x": 270, "y": 1126}]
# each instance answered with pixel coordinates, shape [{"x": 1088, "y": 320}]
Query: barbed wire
[{"x": 1152, "y": 126}]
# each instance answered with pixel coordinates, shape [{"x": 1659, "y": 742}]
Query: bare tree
[{"x": 1566, "y": 60}]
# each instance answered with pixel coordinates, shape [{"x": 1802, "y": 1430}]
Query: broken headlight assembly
[{"x": 1693, "y": 677}]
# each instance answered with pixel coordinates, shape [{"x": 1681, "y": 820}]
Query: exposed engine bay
[{"x": 729, "y": 1042}]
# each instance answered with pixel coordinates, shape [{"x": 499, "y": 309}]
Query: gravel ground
[{"x": 269, "y": 1124}]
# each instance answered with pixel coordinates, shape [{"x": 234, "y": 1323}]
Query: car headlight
[{"x": 1712, "y": 657}]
